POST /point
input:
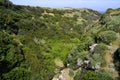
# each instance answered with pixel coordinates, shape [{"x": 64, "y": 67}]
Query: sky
[{"x": 99, "y": 5}]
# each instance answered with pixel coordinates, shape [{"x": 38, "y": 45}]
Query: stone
[
  {"x": 111, "y": 65},
  {"x": 112, "y": 70},
  {"x": 55, "y": 79},
  {"x": 92, "y": 48},
  {"x": 79, "y": 62},
  {"x": 97, "y": 66}
]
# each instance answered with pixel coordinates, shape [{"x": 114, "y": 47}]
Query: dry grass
[{"x": 59, "y": 62}]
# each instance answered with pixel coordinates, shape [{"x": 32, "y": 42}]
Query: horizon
[{"x": 98, "y": 5}]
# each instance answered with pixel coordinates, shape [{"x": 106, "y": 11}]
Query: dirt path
[
  {"x": 109, "y": 59},
  {"x": 64, "y": 74}
]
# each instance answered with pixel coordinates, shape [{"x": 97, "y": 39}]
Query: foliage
[
  {"x": 6, "y": 3},
  {"x": 98, "y": 55},
  {"x": 77, "y": 75},
  {"x": 31, "y": 38},
  {"x": 111, "y": 20},
  {"x": 100, "y": 49},
  {"x": 107, "y": 36},
  {"x": 11, "y": 56},
  {"x": 71, "y": 73},
  {"x": 90, "y": 75},
  {"x": 74, "y": 56},
  {"x": 17, "y": 74},
  {"x": 114, "y": 24}
]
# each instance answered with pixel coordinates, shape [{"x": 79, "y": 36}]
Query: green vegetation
[
  {"x": 71, "y": 73},
  {"x": 77, "y": 75},
  {"x": 107, "y": 37},
  {"x": 90, "y": 75},
  {"x": 32, "y": 38}
]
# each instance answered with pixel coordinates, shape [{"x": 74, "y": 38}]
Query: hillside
[{"x": 38, "y": 43}]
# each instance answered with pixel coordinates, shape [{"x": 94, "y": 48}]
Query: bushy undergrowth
[{"x": 31, "y": 38}]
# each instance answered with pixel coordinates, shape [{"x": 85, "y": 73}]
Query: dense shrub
[
  {"x": 98, "y": 55},
  {"x": 100, "y": 49},
  {"x": 17, "y": 74},
  {"x": 107, "y": 36},
  {"x": 91, "y": 75},
  {"x": 11, "y": 56},
  {"x": 77, "y": 76},
  {"x": 31, "y": 38},
  {"x": 74, "y": 56},
  {"x": 114, "y": 24}
]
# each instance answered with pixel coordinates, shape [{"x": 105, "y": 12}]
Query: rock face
[
  {"x": 97, "y": 66},
  {"x": 55, "y": 79},
  {"x": 111, "y": 65},
  {"x": 92, "y": 48},
  {"x": 63, "y": 75},
  {"x": 111, "y": 68},
  {"x": 79, "y": 62}
]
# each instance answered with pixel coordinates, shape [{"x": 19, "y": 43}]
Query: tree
[
  {"x": 6, "y": 3},
  {"x": 11, "y": 54}
]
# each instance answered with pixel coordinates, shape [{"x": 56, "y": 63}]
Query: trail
[
  {"x": 64, "y": 73},
  {"x": 109, "y": 59}
]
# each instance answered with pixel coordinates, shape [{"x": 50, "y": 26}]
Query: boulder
[{"x": 79, "y": 62}]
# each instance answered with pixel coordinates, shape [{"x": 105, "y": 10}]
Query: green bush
[
  {"x": 100, "y": 49},
  {"x": 97, "y": 58},
  {"x": 71, "y": 73},
  {"x": 74, "y": 56},
  {"x": 113, "y": 23},
  {"x": 91, "y": 75},
  {"x": 17, "y": 74},
  {"x": 11, "y": 55},
  {"x": 107, "y": 36},
  {"x": 32, "y": 37},
  {"x": 77, "y": 76}
]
